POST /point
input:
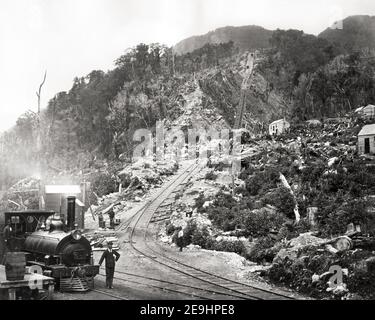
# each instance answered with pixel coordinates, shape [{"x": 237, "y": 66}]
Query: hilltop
[
  {"x": 244, "y": 38},
  {"x": 357, "y": 32}
]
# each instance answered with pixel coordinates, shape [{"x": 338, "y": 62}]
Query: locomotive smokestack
[{"x": 71, "y": 212}]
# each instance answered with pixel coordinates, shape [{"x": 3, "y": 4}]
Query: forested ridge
[{"x": 308, "y": 77}]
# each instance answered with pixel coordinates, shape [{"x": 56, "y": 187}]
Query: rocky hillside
[
  {"x": 244, "y": 38},
  {"x": 358, "y": 32},
  {"x": 300, "y": 77}
]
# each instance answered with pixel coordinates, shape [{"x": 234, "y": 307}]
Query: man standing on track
[{"x": 111, "y": 257}]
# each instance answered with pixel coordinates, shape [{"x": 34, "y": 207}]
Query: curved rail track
[
  {"x": 111, "y": 295},
  {"x": 210, "y": 286}
]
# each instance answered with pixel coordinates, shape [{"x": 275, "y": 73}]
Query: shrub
[
  {"x": 187, "y": 238},
  {"x": 262, "y": 181},
  {"x": 334, "y": 182},
  {"x": 263, "y": 250},
  {"x": 312, "y": 173},
  {"x": 170, "y": 229},
  {"x": 259, "y": 223},
  {"x": 211, "y": 176},
  {"x": 222, "y": 218},
  {"x": 246, "y": 173},
  {"x": 227, "y": 246},
  {"x": 103, "y": 184},
  {"x": 199, "y": 202},
  {"x": 224, "y": 211},
  {"x": 282, "y": 200},
  {"x": 200, "y": 237}
]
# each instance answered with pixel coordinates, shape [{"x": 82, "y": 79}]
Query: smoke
[{"x": 18, "y": 158}]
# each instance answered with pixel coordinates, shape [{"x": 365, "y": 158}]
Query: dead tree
[
  {"x": 40, "y": 90},
  {"x": 38, "y": 94},
  {"x": 39, "y": 143}
]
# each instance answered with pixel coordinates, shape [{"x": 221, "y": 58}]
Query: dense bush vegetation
[
  {"x": 262, "y": 181},
  {"x": 260, "y": 223},
  {"x": 103, "y": 184},
  {"x": 282, "y": 199}
]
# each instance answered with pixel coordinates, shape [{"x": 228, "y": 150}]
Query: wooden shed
[{"x": 366, "y": 140}]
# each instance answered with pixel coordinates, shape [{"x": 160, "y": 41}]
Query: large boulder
[
  {"x": 306, "y": 239},
  {"x": 302, "y": 241}
]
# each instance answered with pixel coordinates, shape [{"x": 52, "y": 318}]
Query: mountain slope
[
  {"x": 245, "y": 38},
  {"x": 358, "y": 32}
]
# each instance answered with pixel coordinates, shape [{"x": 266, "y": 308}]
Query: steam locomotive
[{"x": 57, "y": 247}]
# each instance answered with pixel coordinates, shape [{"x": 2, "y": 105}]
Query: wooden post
[
  {"x": 12, "y": 293},
  {"x": 51, "y": 289}
]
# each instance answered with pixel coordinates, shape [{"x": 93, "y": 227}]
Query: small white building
[
  {"x": 278, "y": 127},
  {"x": 368, "y": 112},
  {"x": 366, "y": 140}
]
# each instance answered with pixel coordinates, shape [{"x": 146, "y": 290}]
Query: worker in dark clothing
[
  {"x": 101, "y": 220},
  {"x": 111, "y": 214},
  {"x": 111, "y": 257},
  {"x": 8, "y": 231},
  {"x": 179, "y": 238}
]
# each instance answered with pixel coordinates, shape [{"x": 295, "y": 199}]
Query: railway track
[
  {"x": 111, "y": 295},
  {"x": 207, "y": 282},
  {"x": 173, "y": 286},
  {"x": 153, "y": 283}
]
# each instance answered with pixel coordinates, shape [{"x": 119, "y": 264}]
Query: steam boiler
[{"x": 56, "y": 246}]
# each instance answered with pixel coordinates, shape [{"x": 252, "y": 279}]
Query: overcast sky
[{"x": 72, "y": 37}]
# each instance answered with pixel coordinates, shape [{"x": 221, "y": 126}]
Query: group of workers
[{"x": 111, "y": 213}]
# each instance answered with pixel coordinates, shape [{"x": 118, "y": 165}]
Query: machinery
[{"x": 57, "y": 247}]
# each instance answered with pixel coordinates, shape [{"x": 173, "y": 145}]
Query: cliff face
[
  {"x": 357, "y": 32},
  {"x": 216, "y": 93},
  {"x": 245, "y": 38}
]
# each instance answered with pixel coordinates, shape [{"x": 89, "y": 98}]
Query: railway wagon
[{"x": 57, "y": 247}]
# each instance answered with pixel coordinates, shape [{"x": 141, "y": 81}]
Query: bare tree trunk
[{"x": 39, "y": 142}]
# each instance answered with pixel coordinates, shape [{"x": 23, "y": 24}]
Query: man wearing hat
[{"x": 111, "y": 257}]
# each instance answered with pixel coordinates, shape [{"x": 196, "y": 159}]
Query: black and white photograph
[{"x": 193, "y": 152}]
